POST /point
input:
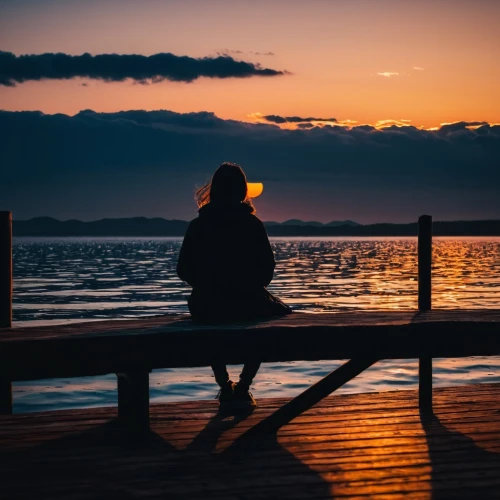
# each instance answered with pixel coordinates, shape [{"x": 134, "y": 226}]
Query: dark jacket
[{"x": 227, "y": 258}]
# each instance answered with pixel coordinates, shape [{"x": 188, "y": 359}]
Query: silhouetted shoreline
[{"x": 142, "y": 226}]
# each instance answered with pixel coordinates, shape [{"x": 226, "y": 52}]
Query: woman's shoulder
[
  {"x": 255, "y": 220},
  {"x": 194, "y": 222},
  {"x": 255, "y": 223},
  {"x": 193, "y": 225}
]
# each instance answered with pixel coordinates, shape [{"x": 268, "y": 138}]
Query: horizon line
[{"x": 309, "y": 221}]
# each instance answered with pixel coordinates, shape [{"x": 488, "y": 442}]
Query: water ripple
[{"x": 70, "y": 279}]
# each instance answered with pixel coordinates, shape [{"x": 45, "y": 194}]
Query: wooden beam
[
  {"x": 68, "y": 352},
  {"x": 311, "y": 396},
  {"x": 133, "y": 399},
  {"x": 5, "y": 269}
]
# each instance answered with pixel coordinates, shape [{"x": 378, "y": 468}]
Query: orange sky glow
[{"x": 417, "y": 63}]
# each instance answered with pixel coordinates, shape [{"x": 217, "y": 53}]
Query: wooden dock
[
  {"x": 131, "y": 349},
  {"x": 348, "y": 446},
  {"x": 425, "y": 444}
]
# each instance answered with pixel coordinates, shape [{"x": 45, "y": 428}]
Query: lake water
[{"x": 82, "y": 279}]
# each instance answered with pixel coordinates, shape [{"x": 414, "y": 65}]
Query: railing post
[
  {"x": 5, "y": 269},
  {"x": 5, "y": 299},
  {"x": 424, "y": 305},
  {"x": 424, "y": 262}
]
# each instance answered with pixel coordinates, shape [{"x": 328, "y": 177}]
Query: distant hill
[
  {"x": 136, "y": 226},
  {"x": 298, "y": 222},
  {"x": 142, "y": 226},
  {"x": 440, "y": 228},
  {"x": 342, "y": 223}
]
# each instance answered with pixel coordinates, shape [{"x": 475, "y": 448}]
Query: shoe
[
  {"x": 226, "y": 396},
  {"x": 243, "y": 399}
]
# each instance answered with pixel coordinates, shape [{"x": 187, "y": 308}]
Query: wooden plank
[
  {"x": 378, "y": 451},
  {"x": 177, "y": 424},
  {"x": 92, "y": 350},
  {"x": 402, "y": 425},
  {"x": 182, "y": 323},
  {"x": 180, "y": 429}
]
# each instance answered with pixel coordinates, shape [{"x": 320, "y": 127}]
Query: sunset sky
[{"x": 356, "y": 62}]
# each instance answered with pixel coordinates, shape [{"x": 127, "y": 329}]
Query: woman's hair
[{"x": 228, "y": 186}]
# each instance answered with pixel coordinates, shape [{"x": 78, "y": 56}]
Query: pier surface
[{"x": 349, "y": 446}]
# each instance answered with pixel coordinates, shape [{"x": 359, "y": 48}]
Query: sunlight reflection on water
[{"x": 96, "y": 278}]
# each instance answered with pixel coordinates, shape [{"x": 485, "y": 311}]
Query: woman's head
[{"x": 227, "y": 187}]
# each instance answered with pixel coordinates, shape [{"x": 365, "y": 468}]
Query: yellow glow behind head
[{"x": 254, "y": 189}]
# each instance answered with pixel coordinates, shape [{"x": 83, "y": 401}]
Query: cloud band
[
  {"x": 94, "y": 165},
  {"x": 117, "y": 67}
]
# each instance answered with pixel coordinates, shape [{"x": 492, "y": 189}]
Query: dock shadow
[
  {"x": 460, "y": 468},
  {"x": 107, "y": 461}
]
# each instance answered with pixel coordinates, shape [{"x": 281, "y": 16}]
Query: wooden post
[
  {"x": 5, "y": 299},
  {"x": 425, "y": 384},
  {"x": 424, "y": 305},
  {"x": 424, "y": 262},
  {"x": 5, "y": 269},
  {"x": 5, "y": 397},
  {"x": 133, "y": 399}
]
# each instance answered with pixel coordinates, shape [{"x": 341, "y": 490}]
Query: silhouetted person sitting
[{"x": 227, "y": 258}]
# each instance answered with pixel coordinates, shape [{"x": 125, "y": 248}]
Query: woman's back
[
  {"x": 226, "y": 255},
  {"x": 226, "y": 248}
]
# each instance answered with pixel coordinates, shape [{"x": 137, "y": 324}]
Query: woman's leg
[
  {"x": 250, "y": 369},
  {"x": 221, "y": 374}
]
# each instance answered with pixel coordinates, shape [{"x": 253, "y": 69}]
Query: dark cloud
[
  {"x": 366, "y": 128},
  {"x": 295, "y": 119},
  {"x": 116, "y": 67},
  {"x": 95, "y": 165},
  {"x": 305, "y": 125},
  {"x": 453, "y": 127}
]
